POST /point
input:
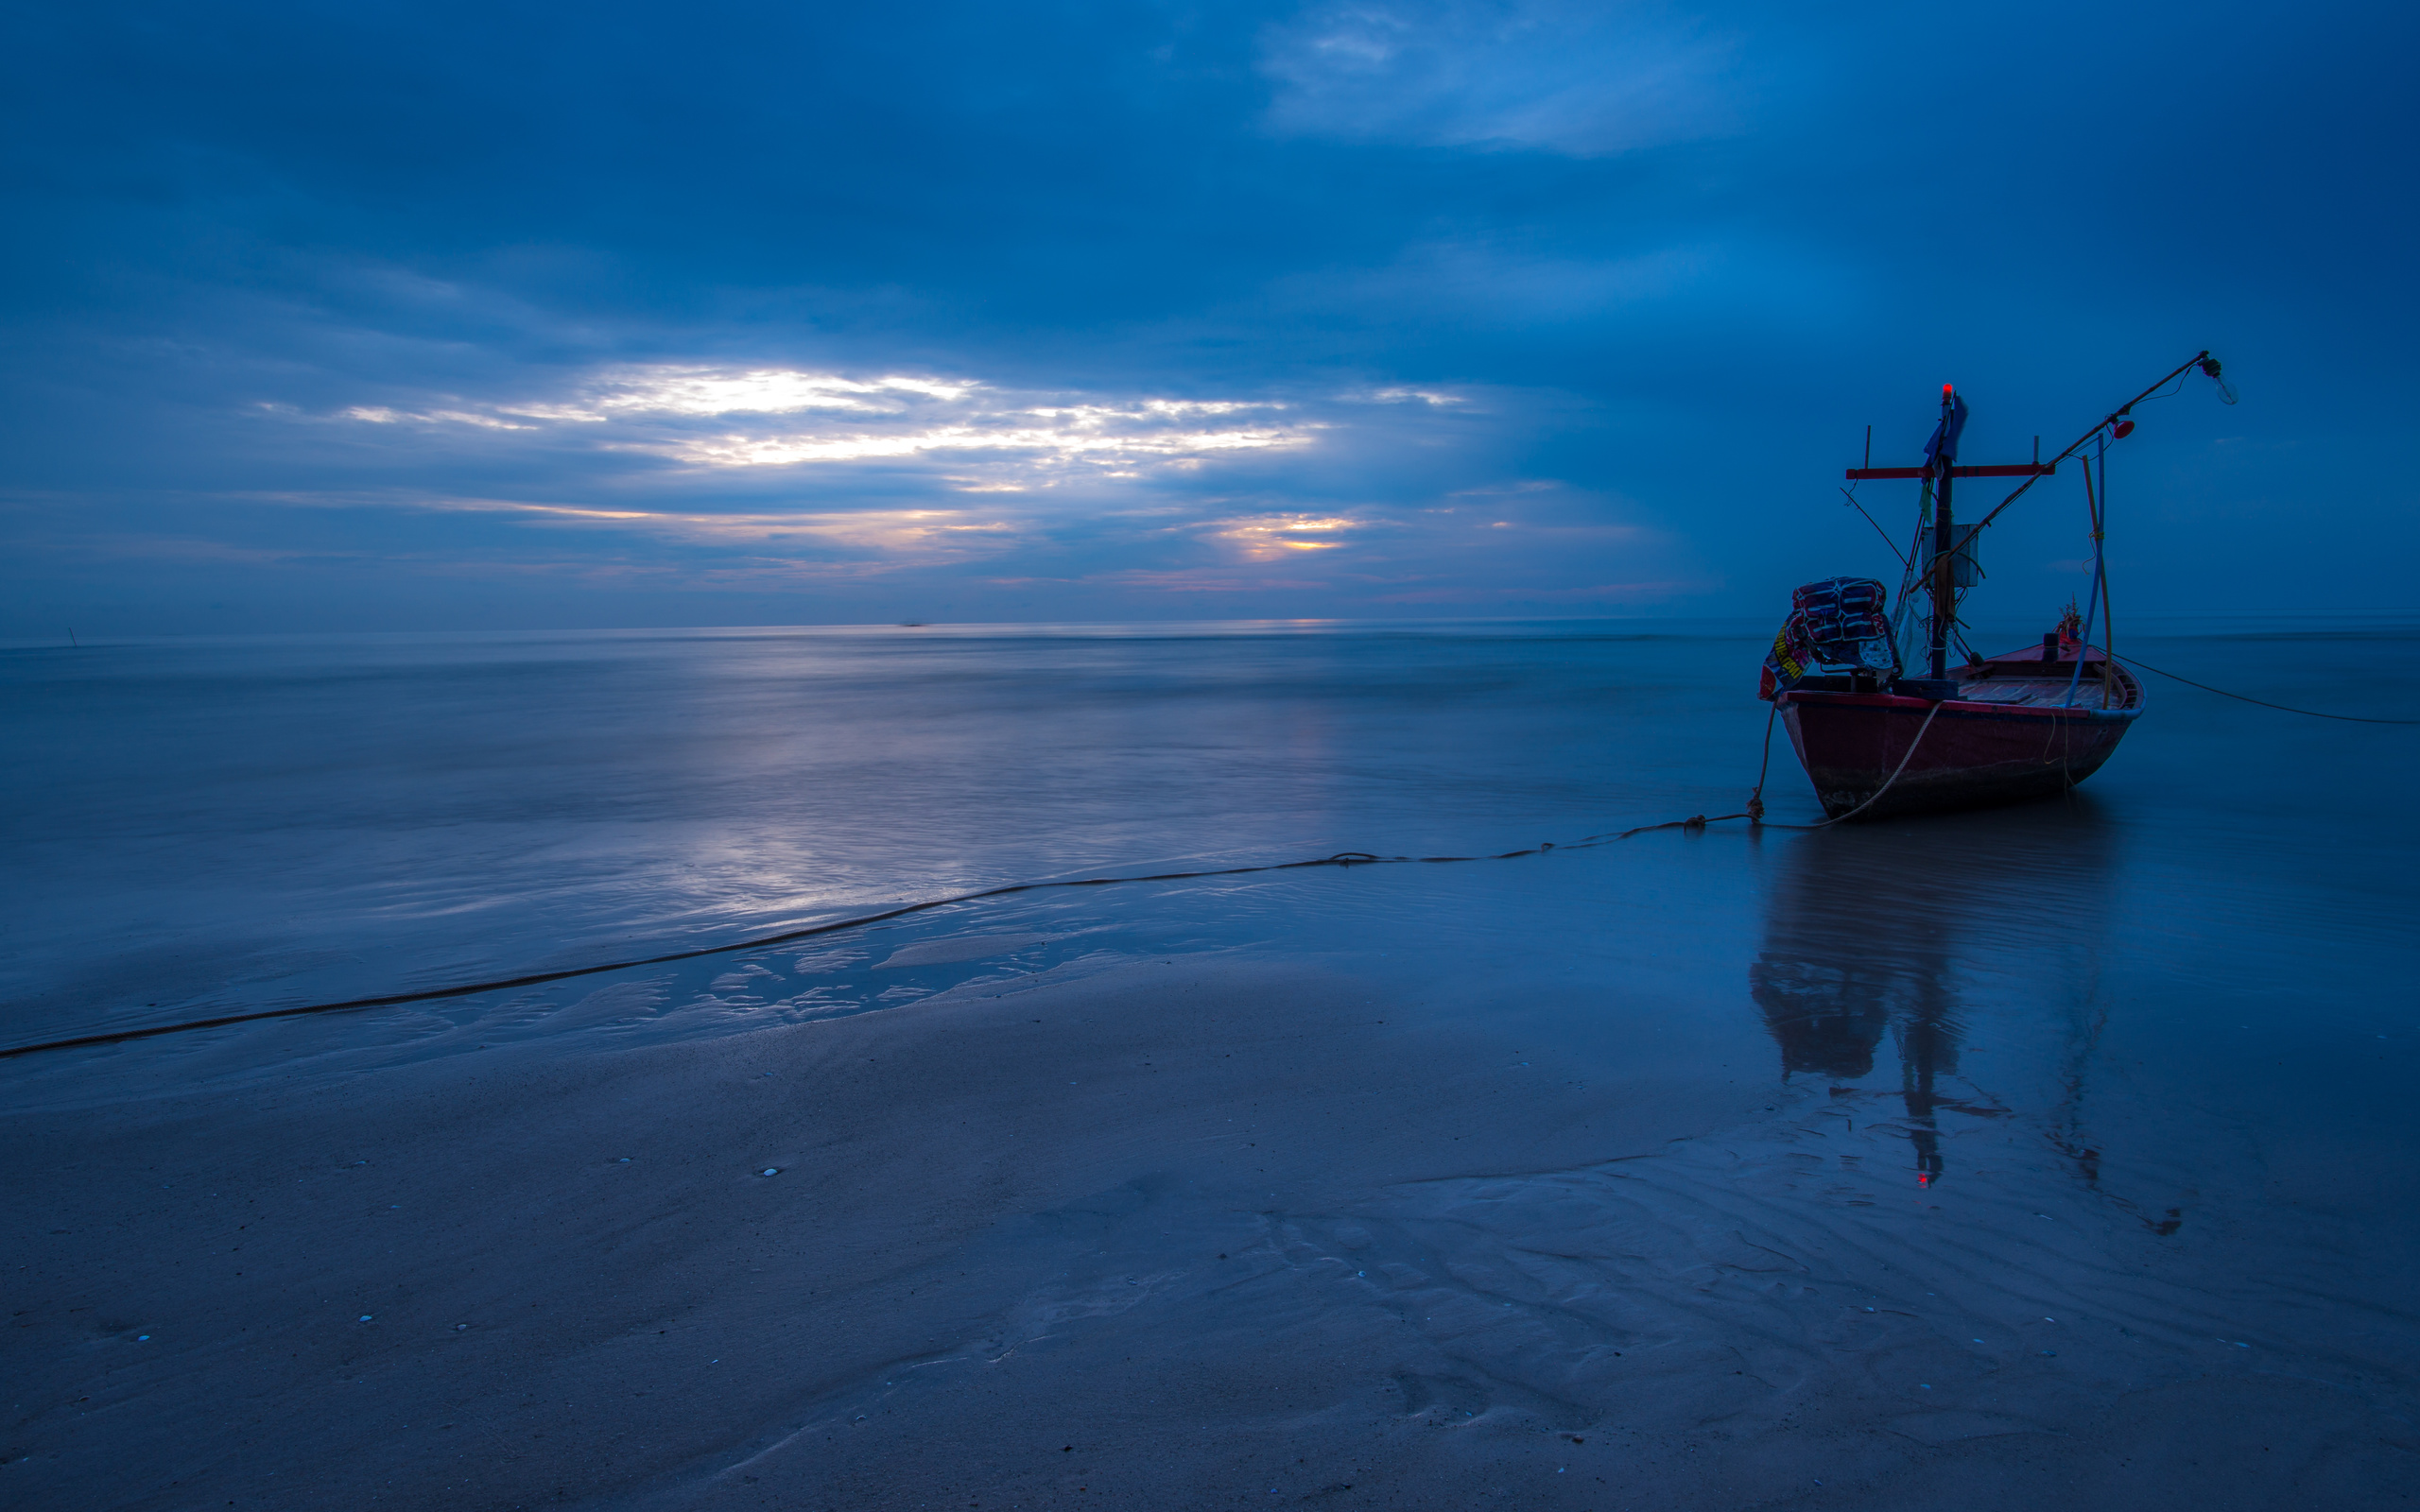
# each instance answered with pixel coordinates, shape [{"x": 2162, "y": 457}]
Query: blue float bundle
[{"x": 1835, "y": 624}]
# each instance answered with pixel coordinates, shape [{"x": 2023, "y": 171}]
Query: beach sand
[{"x": 1185, "y": 1233}]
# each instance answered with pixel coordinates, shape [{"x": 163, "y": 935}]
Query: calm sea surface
[
  {"x": 2140, "y": 1058},
  {"x": 196, "y": 828}
]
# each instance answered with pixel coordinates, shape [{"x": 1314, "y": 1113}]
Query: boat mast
[
  {"x": 1943, "y": 575},
  {"x": 1940, "y": 469}
]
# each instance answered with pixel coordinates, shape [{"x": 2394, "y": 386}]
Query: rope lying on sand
[{"x": 1343, "y": 858}]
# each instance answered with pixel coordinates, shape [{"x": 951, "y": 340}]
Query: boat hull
[{"x": 1978, "y": 752}]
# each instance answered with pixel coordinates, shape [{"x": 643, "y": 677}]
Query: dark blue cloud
[{"x": 316, "y": 310}]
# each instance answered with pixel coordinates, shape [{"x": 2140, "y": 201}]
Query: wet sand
[{"x": 1179, "y": 1234}]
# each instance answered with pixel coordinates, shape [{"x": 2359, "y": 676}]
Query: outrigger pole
[{"x": 2116, "y": 424}]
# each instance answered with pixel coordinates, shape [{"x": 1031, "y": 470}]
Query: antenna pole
[
  {"x": 2100, "y": 554},
  {"x": 1944, "y": 572}
]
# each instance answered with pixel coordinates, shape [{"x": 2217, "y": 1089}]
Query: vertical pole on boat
[
  {"x": 2108, "y": 617},
  {"x": 1944, "y": 564},
  {"x": 2098, "y": 594}
]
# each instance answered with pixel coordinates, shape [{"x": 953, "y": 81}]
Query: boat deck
[
  {"x": 2009, "y": 690},
  {"x": 2023, "y": 678}
]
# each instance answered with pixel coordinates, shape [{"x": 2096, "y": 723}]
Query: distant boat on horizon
[{"x": 1990, "y": 729}]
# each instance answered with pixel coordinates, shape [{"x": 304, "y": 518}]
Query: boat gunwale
[{"x": 1956, "y": 708}]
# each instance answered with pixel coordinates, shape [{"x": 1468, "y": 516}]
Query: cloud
[
  {"x": 1271, "y": 537},
  {"x": 1201, "y": 580},
  {"x": 709, "y": 392},
  {"x": 1596, "y": 593},
  {"x": 999, "y": 439},
  {"x": 381, "y": 415},
  {"x": 1584, "y": 80},
  {"x": 1470, "y": 281},
  {"x": 901, "y": 538}
]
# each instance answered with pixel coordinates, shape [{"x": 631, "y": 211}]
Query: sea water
[
  {"x": 204, "y": 826},
  {"x": 212, "y": 827},
  {"x": 2150, "y": 1045}
]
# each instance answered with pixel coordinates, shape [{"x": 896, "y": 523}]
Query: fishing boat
[{"x": 1974, "y": 730}]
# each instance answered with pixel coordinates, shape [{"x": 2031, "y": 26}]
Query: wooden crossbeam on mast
[{"x": 2013, "y": 470}]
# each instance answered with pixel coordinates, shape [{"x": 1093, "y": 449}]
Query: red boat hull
[{"x": 2016, "y": 739}]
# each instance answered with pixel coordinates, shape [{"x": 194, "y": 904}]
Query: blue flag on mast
[{"x": 1944, "y": 445}]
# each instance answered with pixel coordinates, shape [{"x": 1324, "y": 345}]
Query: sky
[{"x": 440, "y": 315}]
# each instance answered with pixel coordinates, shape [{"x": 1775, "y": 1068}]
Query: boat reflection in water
[{"x": 1890, "y": 930}]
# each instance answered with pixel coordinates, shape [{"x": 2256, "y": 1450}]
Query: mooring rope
[
  {"x": 1764, "y": 764},
  {"x": 1755, "y": 800},
  {"x": 1341, "y": 858},
  {"x": 2356, "y": 719}
]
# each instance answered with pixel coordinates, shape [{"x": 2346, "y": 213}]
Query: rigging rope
[{"x": 1850, "y": 494}]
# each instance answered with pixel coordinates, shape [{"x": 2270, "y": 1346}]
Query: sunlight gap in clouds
[
  {"x": 381, "y": 415},
  {"x": 908, "y": 537},
  {"x": 1062, "y": 445},
  {"x": 792, "y": 417},
  {"x": 683, "y": 391},
  {"x": 1268, "y": 538},
  {"x": 1043, "y": 475}
]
